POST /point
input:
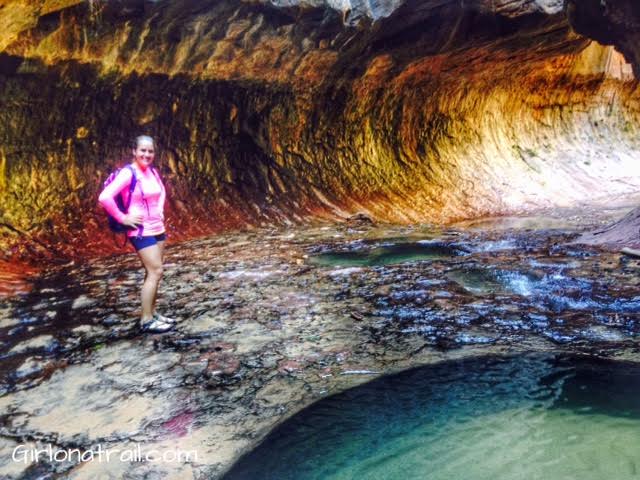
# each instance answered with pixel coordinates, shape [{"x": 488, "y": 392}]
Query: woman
[{"x": 146, "y": 219}]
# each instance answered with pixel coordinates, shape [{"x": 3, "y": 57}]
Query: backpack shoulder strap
[
  {"x": 134, "y": 179},
  {"x": 132, "y": 185}
]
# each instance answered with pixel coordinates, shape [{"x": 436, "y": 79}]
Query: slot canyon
[{"x": 354, "y": 188}]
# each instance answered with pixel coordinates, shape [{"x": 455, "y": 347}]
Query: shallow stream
[{"x": 271, "y": 321}]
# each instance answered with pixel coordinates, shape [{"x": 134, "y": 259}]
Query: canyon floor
[{"x": 271, "y": 320}]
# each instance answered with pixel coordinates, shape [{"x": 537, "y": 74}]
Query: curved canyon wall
[{"x": 272, "y": 113}]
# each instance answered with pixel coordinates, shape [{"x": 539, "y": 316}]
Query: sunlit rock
[{"x": 279, "y": 113}]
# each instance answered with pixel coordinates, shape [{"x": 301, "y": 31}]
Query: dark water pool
[
  {"x": 525, "y": 417},
  {"x": 388, "y": 254}
]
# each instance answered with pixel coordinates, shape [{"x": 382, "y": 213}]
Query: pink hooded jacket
[{"x": 147, "y": 199}]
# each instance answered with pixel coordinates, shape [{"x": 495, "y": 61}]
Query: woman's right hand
[{"x": 132, "y": 220}]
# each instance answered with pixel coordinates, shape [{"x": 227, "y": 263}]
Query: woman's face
[{"x": 144, "y": 153}]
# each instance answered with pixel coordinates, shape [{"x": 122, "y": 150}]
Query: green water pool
[{"x": 525, "y": 417}]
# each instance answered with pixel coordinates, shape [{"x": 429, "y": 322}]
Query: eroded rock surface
[
  {"x": 277, "y": 113},
  {"x": 273, "y": 320}
]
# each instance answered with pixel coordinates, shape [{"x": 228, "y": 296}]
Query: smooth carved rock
[{"x": 414, "y": 111}]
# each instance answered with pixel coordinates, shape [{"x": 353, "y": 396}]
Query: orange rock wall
[{"x": 271, "y": 115}]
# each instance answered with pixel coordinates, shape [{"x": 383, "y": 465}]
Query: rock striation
[{"x": 278, "y": 112}]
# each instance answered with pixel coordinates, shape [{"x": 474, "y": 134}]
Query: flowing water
[
  {"x": 527, "y": 417},
  {"x": 273, "y": 320}
]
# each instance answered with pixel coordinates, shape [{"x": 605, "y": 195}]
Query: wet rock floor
[{"x": 272, "y": 320}]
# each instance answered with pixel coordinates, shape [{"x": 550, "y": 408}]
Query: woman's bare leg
[
  {"x": 152, "y": 260},
  {"x": 161, "y": 246}
]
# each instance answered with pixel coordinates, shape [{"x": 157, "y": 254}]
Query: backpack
[{"x": 114, "y": 225}]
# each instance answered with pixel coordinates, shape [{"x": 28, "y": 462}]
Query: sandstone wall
[{"x": 271, "y": 113}]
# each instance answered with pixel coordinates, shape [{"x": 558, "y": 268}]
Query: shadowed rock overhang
[{"x": 274, "y": 112}]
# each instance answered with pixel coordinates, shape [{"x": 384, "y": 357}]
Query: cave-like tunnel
[{"x": 272, "y": 113}]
